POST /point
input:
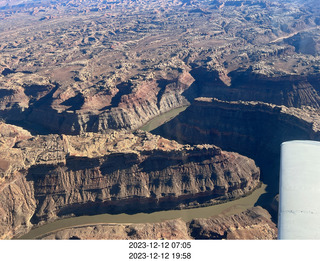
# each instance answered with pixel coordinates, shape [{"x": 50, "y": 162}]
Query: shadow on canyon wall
[
  {"x": 256, "y": 131},
  {"x": 131, "y": 183},
  {"x": 288, "y": 90}
]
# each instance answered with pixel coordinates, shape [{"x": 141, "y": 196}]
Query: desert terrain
[{"x": 140, "y": 106}]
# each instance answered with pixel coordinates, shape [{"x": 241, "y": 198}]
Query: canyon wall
[
  {"x": 89, "y": 66},
  {"x": 248, "y": 85},
  {"x": 45, "y": 107},
  {"x": 254, "y": 129},
  {"x": 247, "y": 127},
  {"x": 129, "y": 182},
  {"x": 49, "y": 176},
  {"x": 17, "y": 206}
]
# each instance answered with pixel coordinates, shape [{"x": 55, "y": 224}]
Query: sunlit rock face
[
  {"x": 71, "y": 67},
  {"x": 49, "y": 176},
  {"x": 99, "y": 70}
]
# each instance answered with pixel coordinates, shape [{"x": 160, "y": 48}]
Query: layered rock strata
[
  {"x": 253, "y": 129},
  {"x": 74, "y": 67},
  {"x": 17, "y": 206},
  {"x": 257, "y": 84},
  {"x": 254, "y": 223},
  {"x": 53, "y": 176},
  {"x": 46, "y": 107},
  {"x": 52, "y": 109},
  {"x": 248, "y": 127},
  {"x": 69, "y": 67}
]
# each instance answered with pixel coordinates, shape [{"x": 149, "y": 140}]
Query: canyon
[
  {"x": 253, "y": 129},
  {"x": 106, "y": 69},
  {"x": 119, "y": 172},
  {"x": 224, "y": 82}
]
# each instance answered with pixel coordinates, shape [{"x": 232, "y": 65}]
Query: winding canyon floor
[{"x": 127, "y": 109}]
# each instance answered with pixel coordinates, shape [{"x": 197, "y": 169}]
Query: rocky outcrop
[
  {"x": 51, "y": 176},
  {"x": 17, "y": 201},
  {"x": 118, "y": 69},
  {"x": 254, "y": 223},
  {"x": 52, "y": 109},
  {"x": 11, "y": 160},
  {"x": 130, "y": 105}
]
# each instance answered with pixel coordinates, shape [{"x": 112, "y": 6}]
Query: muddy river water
[{"x": 163, "y": 118}]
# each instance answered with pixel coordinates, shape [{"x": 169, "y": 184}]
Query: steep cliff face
[
  {"x": 242, "y": 126},
  {"x": 249, "y": 85},
  {"x": 45, "y": 107},
  {"x": 128, "y": 111},
  {"x": 305, "y": 43},
  {"x": 253, "y": 129},
  {"x": 151, "y": 180},
  {"x": 52, "y": 108},
  {"x": 52, "y": 176}
]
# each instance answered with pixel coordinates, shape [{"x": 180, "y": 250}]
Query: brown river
[{"x": 163, "y": 118}]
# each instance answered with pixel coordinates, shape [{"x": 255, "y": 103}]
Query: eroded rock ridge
[{"x": 46, "y": 177}]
